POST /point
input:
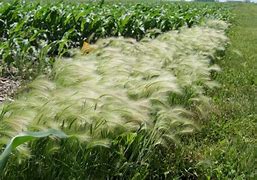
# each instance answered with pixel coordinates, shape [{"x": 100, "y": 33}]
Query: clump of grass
[{"x": 116, "y": 103}]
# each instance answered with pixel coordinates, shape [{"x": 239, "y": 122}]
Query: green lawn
[{"x": 228, "y": 141}]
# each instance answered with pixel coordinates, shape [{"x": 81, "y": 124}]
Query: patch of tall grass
[{"x": 125, "y": 105}]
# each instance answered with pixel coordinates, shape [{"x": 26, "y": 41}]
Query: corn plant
[{"x": 32, "y": 34}]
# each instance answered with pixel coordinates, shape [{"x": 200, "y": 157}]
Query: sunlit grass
[{"x": 121, "y": 101}]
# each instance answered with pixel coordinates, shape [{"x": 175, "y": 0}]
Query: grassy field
[
  {"x": 224, "y": 145},
  {"x": 229, "y": 139}
]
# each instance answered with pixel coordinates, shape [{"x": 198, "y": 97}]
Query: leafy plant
[
  {"x": 23, "y": 138},
  {"x": 33, "y": 33}
]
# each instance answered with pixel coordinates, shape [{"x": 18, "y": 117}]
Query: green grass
[{"x": 227, "y": 143}]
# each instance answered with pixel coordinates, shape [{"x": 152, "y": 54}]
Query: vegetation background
[{"x": 223, "y": 148}]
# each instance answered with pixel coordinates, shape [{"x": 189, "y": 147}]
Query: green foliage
[
  {"x": 32, "y": 34},
  {"x": 23, "y": 138}
]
